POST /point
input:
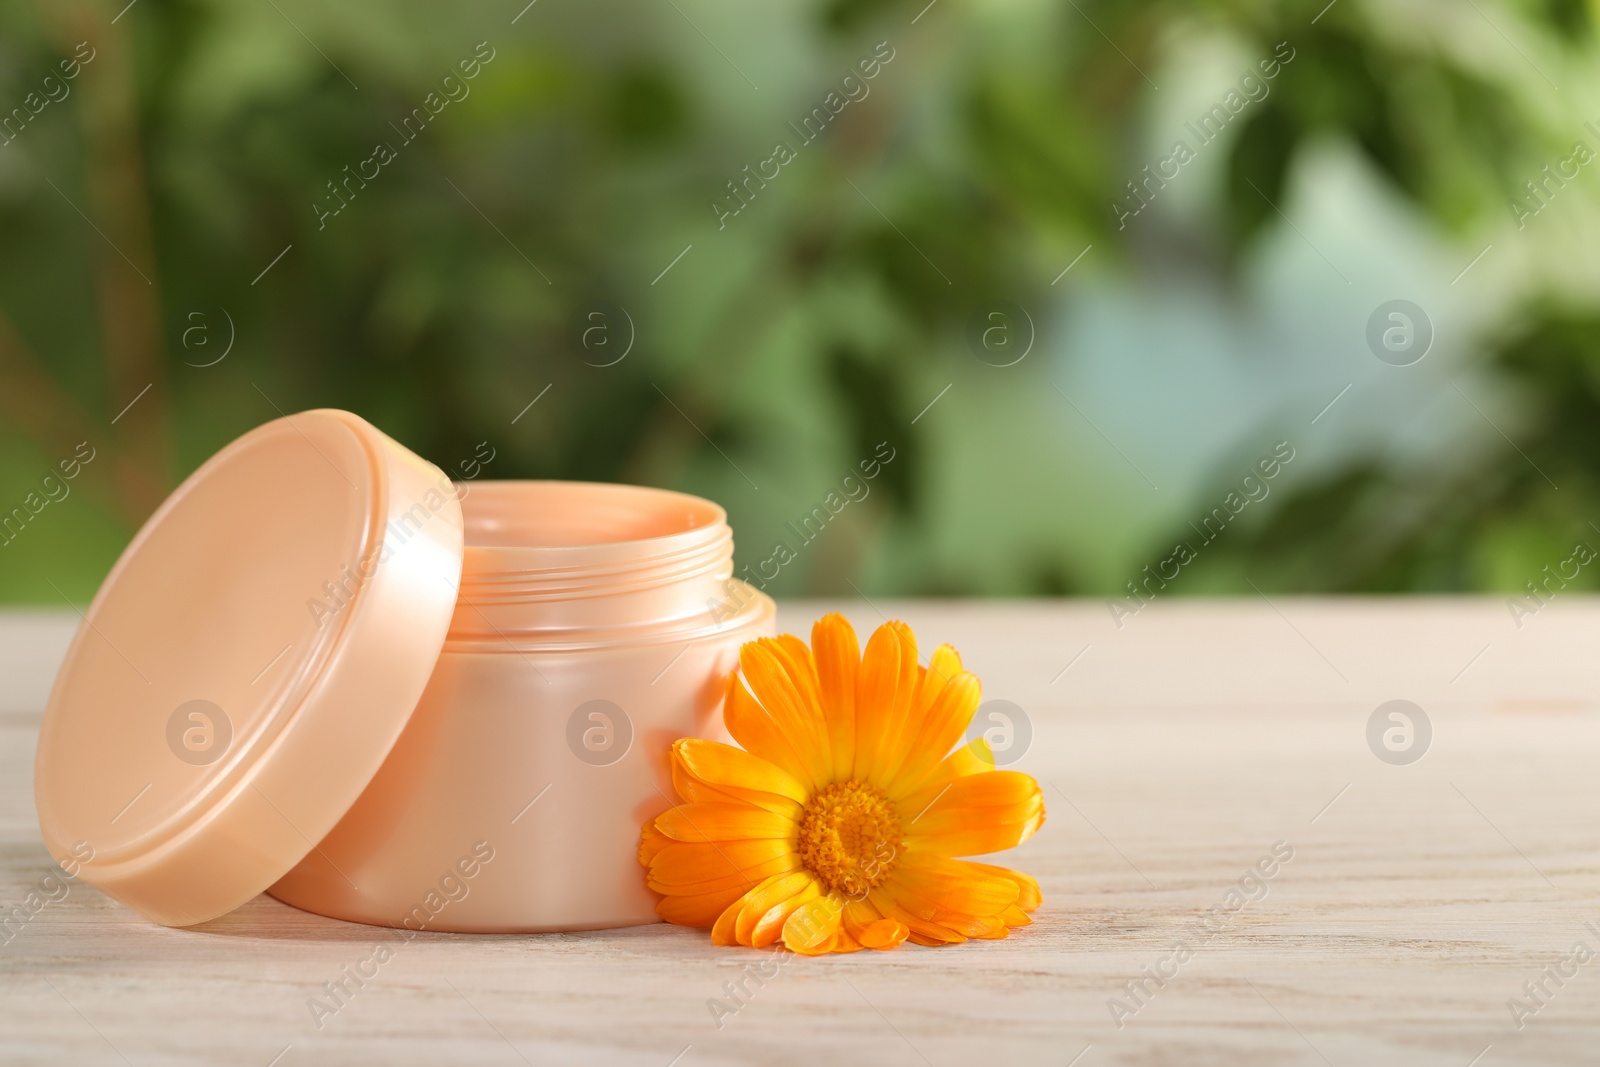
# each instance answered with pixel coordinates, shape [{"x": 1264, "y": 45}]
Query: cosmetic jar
[
  {"x": 594, "y": 628},
  {"x": 324, "y": 671}
]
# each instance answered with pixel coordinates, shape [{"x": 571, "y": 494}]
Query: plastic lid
[{"x": 247, "y": 665}]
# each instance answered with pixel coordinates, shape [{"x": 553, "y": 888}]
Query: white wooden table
[{"x": 1175, "y": 752}]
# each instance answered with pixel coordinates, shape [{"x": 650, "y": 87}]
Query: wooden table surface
[{"x": 1176, "y": 752}]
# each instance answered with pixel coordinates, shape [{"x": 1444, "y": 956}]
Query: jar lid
[{"x": 247, "y": 665}]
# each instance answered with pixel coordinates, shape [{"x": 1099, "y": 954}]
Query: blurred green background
[{"x": 169, "y": 241}]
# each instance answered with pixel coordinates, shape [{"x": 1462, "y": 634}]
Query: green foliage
[
  {"x": 442, "y": 296},
  {"x": 1492, "y": 522}
]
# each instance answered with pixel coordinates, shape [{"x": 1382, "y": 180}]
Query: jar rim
[
  {"x": 563, "y": 521},
  {"x": 548, "y": 556}
]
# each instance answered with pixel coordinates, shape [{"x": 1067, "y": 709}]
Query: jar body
[{"x": 513, "y": 799}]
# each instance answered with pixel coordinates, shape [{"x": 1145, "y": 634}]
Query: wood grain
[{"x": 1176, "y": 752}]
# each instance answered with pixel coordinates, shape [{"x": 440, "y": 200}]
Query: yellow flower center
[{"x": 849, "y": 837}]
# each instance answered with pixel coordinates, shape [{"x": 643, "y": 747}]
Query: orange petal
[
  {"x": 722, "y": 929},
  {"x": 802, "y": 670},
  {"x": 723, "y": 765},
  {"x": 724, "y": 822},
  {"x": 884, "y": 934},
  {"x": 930, "y": 942},
  {"x": 884, "y": 691},
  {"x": 987, "y": 927},
  {"x": 692, "y": 789},
  {"x": 732, "y": 883},
  {"x": 955, "y": 887},
  {"x": 946, "y": 720},
  {"x": 813, "y": 928},
  {"x": 896, "y": 902},
  {"x": 843, "y": 942},
  {"x": 651, "y": 841},
  {"x": 943, "y": 666},
  {"x": 994, "y": 789},
  {"x": 715, "y": 863},
  {"x": 700, "y": 910},
  {"x": 786, "y": 686},
  {"x": 838, "y": 660},
  {"x": 933, "y": 917},
  {"x": 971, "y": 758},
  {"x": 863, "y": 922},
  {"x": 1028, "y": 895},
  {"x": 762, "y": 734},
  {"x": 979, "y": 813},
  {"x": 770, "y": 894},
  {"x": 712, "y": 771},
  {"x": 770, "y": 926}
]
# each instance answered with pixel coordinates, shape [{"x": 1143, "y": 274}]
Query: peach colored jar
[{"x": 584, "y": 642}]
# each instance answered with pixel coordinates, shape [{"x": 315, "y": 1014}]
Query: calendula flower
[{"x": 833, "y": 828}]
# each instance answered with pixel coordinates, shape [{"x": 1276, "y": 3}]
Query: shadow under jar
[{"x": 596, "y": 624}]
